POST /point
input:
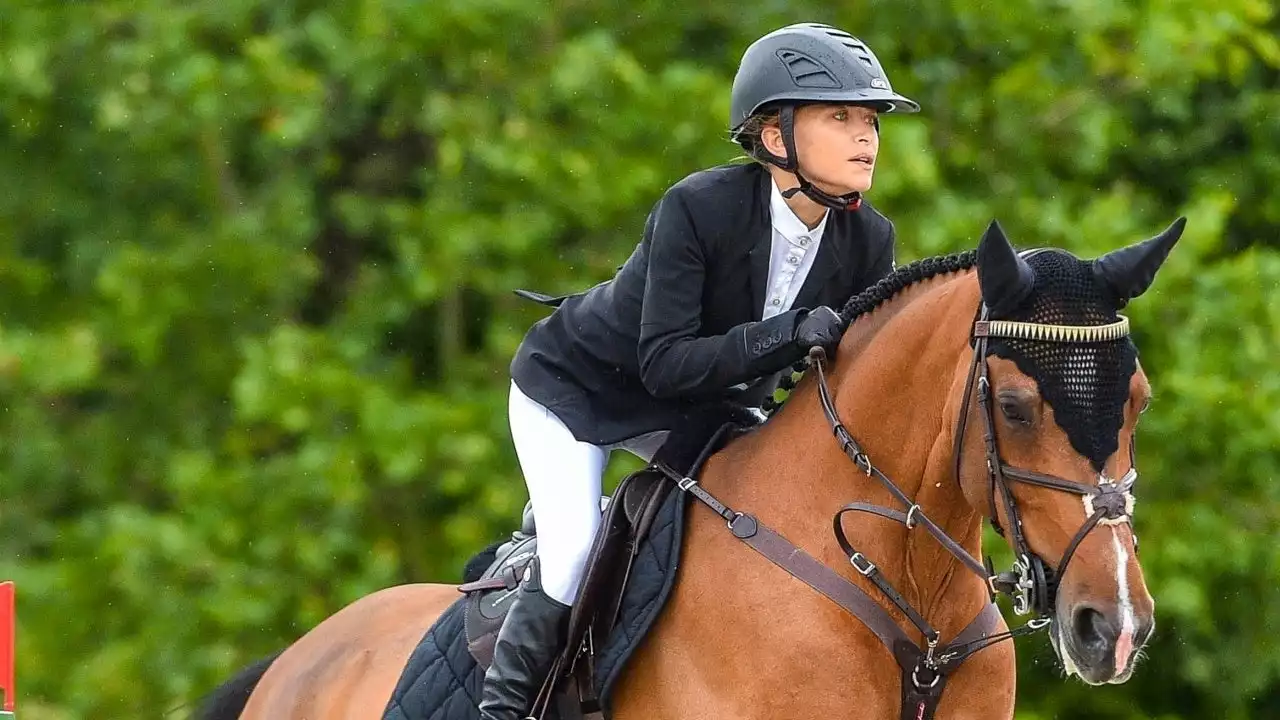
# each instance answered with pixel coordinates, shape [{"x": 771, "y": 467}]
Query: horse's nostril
[
  {"x": 1143, "y": 634},
  {"x": 1094, "y": 633}
]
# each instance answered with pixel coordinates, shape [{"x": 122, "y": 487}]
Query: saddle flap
[
  {"x": 637, "y": 495},
  {"x": 604, "y": 577}
]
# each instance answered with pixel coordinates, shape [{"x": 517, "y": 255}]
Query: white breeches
[{"x": 563, "y": 476}]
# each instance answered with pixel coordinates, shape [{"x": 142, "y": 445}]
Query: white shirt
[{"x": 794, "y": 247}]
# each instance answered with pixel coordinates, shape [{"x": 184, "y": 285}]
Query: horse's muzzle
[{"x": 1098, "y": 645}]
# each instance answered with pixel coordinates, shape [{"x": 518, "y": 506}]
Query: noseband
[{"x": 1031, "y": 583}]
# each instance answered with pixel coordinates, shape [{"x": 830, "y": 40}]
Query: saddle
[{"x": 627, "y": 519}]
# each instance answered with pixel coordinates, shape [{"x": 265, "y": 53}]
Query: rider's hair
[{"x": 749, "y": 135}]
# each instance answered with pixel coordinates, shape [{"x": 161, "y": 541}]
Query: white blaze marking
[{"x": 1124, "y": 643}]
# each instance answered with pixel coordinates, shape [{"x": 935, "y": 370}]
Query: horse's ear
[
  {"x": 1129, "y": 271},
  {"x": 1005, "y": 278}
]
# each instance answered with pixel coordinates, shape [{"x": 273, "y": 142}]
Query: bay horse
[{"x": 989, "y": 385}]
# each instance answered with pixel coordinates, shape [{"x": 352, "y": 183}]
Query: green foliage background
[{"x": 255, "y": 263}]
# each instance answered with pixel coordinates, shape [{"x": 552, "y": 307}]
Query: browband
[{"x": 1052, "y": 333}]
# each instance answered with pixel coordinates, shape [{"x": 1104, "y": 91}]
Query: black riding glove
[{"x": 820, "y": 326}]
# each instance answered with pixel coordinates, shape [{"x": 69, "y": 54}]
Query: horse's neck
[{"x": 890, "y": 383}]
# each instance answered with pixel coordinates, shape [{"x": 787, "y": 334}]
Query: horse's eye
[{"x": 1012, "y": 410}]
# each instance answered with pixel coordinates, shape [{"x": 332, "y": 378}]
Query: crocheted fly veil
[{"x": 1085, "y": 382}]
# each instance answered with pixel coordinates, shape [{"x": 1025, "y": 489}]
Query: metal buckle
[
  {"x": 1024, "y": 585},
  {"x": 686, "y": 483},
  {"x": 865, "y": 570},
  {"x": 911, "y": 522},
  {"x": 915, "y": 679},
  {"x": 736, "y": 516},
  {"x": 864, "y": 462},
  {"x": 945, "y": 658}
]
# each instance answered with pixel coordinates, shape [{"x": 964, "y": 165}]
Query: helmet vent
[
  {"x": 859, "y": 51},
  {"x": 807, "y": 72},
  {"x": 856, "y": 46}
]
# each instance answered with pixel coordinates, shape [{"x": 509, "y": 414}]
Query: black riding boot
[{"x": 527, "y": 645}]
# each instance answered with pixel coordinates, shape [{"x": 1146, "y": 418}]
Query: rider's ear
[
  {"x": 771, "y": 139},
  {"x": 1129, "y": 271},
  {"x": 1005, "y": 278}
]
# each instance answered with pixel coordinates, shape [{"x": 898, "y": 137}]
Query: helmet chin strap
[
  {"x": 791, "y": 163},
  {"x": 852, "y": 201}
]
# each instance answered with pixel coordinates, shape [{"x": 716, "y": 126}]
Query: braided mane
[
  {"x": 903, "y": 278},
  {"x": 873, "y": 297}
]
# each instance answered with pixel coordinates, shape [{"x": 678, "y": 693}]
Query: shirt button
[
  {"x": 775, "y": 302},
  {"x": 793, "y": 259},
  {"x": 804, "y": 241}
]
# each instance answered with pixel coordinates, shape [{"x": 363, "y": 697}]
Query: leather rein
[{"x": 1031, "y": 583}]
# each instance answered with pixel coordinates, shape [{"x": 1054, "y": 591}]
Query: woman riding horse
[
  {"x": 989, "y": 385},
  {"x": 732, "y": 282},
  {"x": 984, "y": 385}
]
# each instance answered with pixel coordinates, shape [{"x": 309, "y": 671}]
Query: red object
[{"x": 7, "y": 634}]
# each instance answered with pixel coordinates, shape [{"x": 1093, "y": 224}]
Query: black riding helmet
[{"x": 808, "y": 63}]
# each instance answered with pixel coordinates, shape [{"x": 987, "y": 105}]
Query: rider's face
[{"x": 837, "y": 145}]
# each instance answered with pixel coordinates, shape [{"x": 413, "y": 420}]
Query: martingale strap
[
  {"x": 923, "y": 669},
  {"x": 796, "y": 561}
]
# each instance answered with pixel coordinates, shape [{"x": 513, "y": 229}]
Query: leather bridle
[
  {"x": 1035, "y": 582},
  {"x": 1031, "y": 583}
]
